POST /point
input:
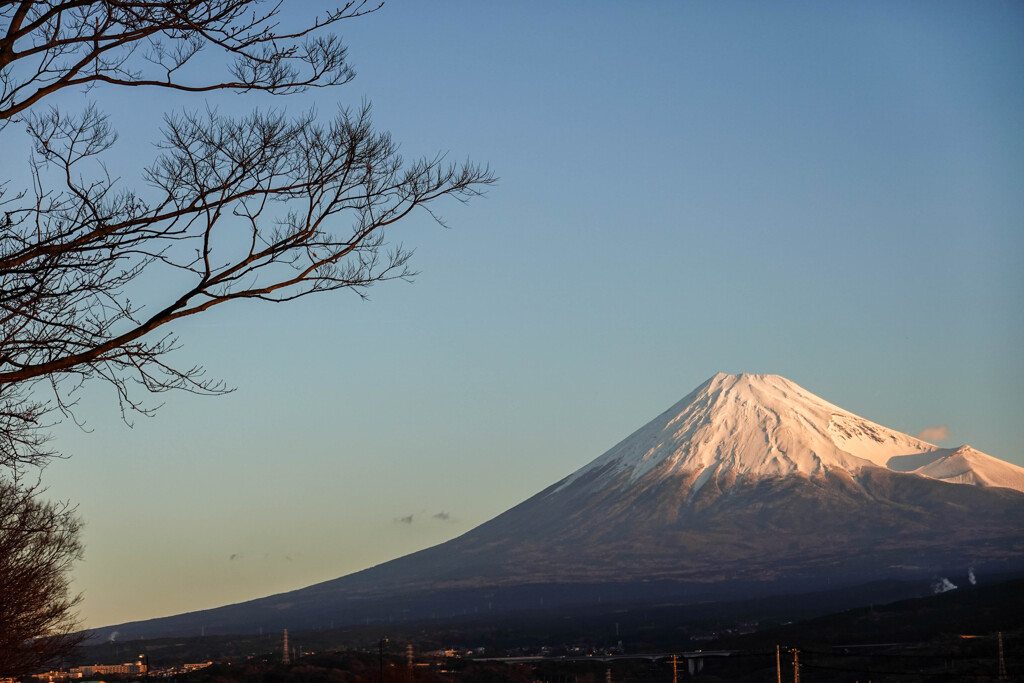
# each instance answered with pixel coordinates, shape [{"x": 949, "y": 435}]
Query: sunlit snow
[{"x": 768, "y": 426}]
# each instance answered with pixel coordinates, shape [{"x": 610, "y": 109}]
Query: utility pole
[
  {"x": 675, "y": 670},
  {"x": 778, "y": 664},
  {"x": 796, "y": 665},
  {"x": 381, "y": 660},
  {"x": 1002, "y": 662}
]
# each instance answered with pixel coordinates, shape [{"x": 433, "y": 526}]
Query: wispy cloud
[
  {"x": 442, "y": 516},
  {"x": 936, "y": 433}
]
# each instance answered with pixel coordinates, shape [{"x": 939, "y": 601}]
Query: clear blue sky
[{"x": 829, "y": 191}]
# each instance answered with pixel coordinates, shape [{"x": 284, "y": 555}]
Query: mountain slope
[
  {"x": 963, "y": 465},
  {"x": 767, "y": 426},
  {"x": 750, "y": 485}
]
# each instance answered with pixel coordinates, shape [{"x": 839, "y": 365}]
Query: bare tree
[
  {"x": 260, "y": 207},
  {"x": 38, "y": 543},
  {"x": 264, "y": 206}
]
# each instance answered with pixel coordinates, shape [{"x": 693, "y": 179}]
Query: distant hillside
[
  {"x": 828, "y": 617},
  {"x": 970, "y": 610},
  {"x": 913, "y": 641}
]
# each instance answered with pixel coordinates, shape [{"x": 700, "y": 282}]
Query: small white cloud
[
  {"x": 943, "y": 585},
  {"x": 936, "y": 433}
]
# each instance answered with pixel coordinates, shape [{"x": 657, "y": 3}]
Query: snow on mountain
[
  {"x": 756, "y": 426},
  {"x": 963, "y": 465}
]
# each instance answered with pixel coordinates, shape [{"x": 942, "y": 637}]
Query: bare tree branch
[
  {"x": 49, "y": 46},
  {"x": 266, "y": 206}
]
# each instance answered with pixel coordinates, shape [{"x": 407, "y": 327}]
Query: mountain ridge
[
  {"x": 748, "y": 486},
  {"x": 767, "y": 425}
]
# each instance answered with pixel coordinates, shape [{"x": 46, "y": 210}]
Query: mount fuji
[{"x": 748, "y": 486}]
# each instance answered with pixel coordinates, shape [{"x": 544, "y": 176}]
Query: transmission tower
[{"x": 287, "y": 658}]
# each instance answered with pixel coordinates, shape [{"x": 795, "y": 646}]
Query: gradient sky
[{"x": 833, "y": 192}]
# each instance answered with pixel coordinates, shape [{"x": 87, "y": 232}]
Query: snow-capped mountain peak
[{"x": 768, "y": 426}]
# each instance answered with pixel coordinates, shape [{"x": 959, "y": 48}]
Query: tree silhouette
[
  {"x": 263, "y": 206},
  {"x": 38, "y": 544}
]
